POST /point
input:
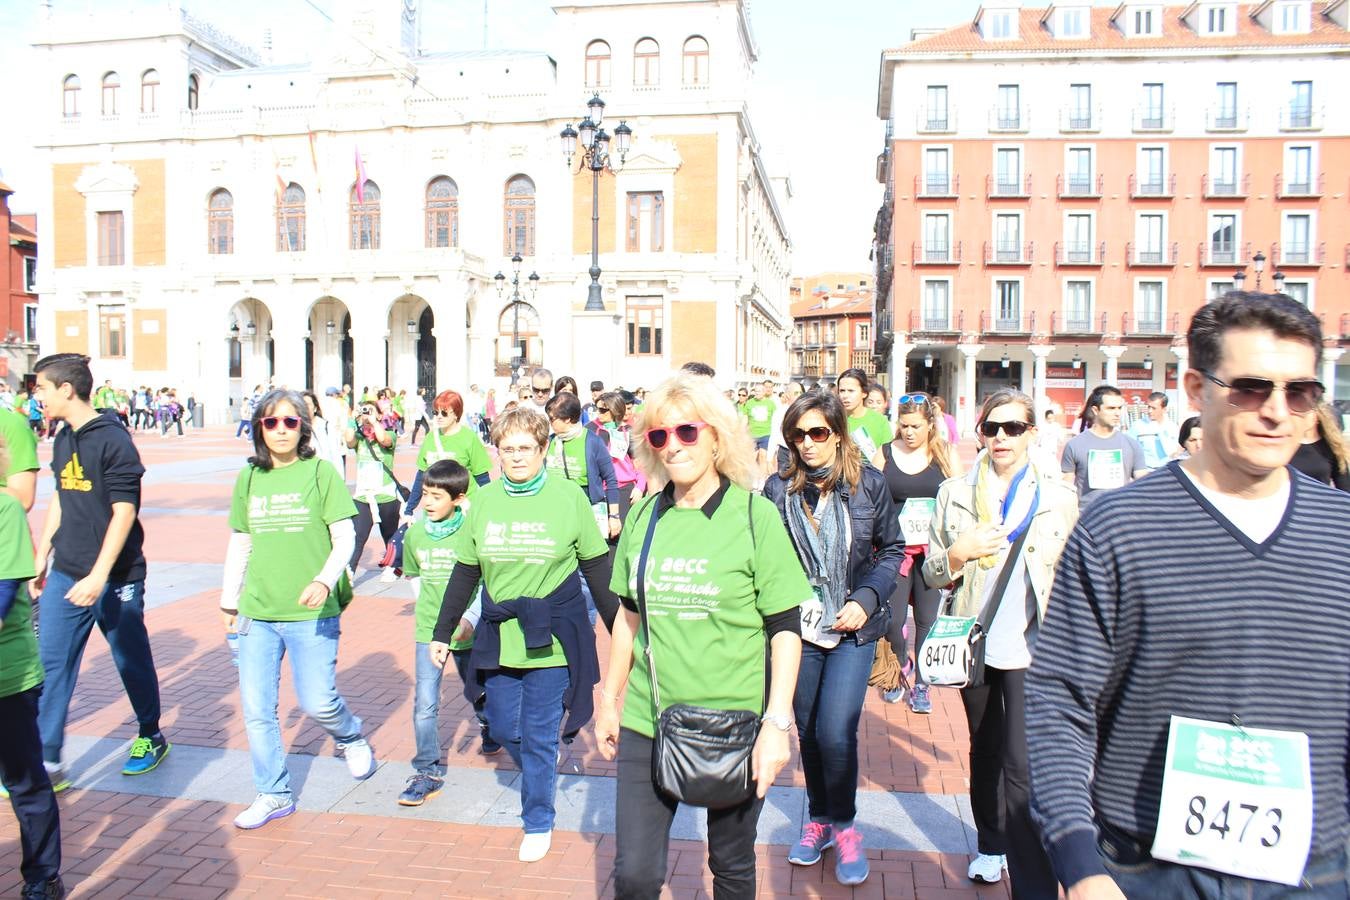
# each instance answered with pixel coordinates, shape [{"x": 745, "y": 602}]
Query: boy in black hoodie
[{"x": 98, "y": 574}]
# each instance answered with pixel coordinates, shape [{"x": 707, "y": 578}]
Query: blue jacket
[{"x": 601, "y": 483}]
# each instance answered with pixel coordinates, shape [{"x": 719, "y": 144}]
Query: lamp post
[
  {"x": 595, "y": 156},
  {"x": 516, "y": 300},
  {"x": 1259, "y": 263}
]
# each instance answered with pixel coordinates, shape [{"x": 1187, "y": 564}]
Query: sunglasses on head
[
  {"x": 1251, "y": 393},
  {"x": 912, "y": 398},
  {"x": 270, "y": 423},
  {"x": 686, "y": 434},
  {"x": 1011, "y": 429},
  {"x": 818, "y": 435}
]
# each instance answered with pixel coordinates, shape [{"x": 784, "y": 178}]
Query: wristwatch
[{"x": 782, "y": 723}]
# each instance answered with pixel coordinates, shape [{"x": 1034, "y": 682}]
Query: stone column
[
  {"x": 1183, "y": 354},
  {"x": 1039, "y": 391},
  {"x": 966, "y": 402},
  {"x": 1113, "y": 354},
  {"x": 1330, "y": 355},
  {"x": 898, "y": 371}
]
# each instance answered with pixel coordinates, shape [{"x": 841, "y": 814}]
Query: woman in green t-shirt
[
  {"x": 451, "y": 439},
  {"x": 868, "y": 428},
  {"x": 285, "y": 584},
  {"x": 377, "y": 493},
  {"x": 526, "y": 537},
  {"x": 721, "y": 583}
]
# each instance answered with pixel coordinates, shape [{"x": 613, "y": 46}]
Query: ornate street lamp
[
  {"x": 1259, "y": 263},
  {"x": 595, "y": 155},
  {"x": 516, "y": 300},
  {"x": 1278, "y": 278}
]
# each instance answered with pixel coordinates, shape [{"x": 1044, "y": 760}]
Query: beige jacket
[{"x": 955, "y": 514}]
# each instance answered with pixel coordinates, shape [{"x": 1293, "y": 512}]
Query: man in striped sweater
[{"x": 1215, "y": 589}]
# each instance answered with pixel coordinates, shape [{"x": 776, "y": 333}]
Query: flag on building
[{"x": 360, "y": 178}]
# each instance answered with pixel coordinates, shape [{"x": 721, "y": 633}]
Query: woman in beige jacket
[{"x": 979, "y": 519}]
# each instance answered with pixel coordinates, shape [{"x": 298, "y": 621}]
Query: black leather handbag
[{"x": 700, "y": 756}]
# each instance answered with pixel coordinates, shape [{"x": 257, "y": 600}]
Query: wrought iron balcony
[
  {"x": 1221, "y": 119},
  {"x": 1225, "y": 253},
  {"x": 937, "y": 320},
  {"x": 1008, "y": 185},
  {"x": 1001, "y": 253},
  {"x": 1009, "y": 120},
  {"x": 935, "y": 254},
  {"x": 937, "y": 185},
  {"x": 1007, "y": 324},
  {"x": 936, "y": 120},
  {"x": 1303, "y": 255},
  {"x": 1077, "y": 322},
  {"x": 1074, "y": 119},
  {"x": 1226, "y": 186},
  {"x": 1069, "y": 186},
  {"x": 1302, "y": 186},
  {"x": 1151, "y": 256},
  {"x": 1151, "y": 118},
  {"x": 1080, "y": 253},
  {"x": 1300, "y": 117},
  {"x": 1153, "y": 187}
]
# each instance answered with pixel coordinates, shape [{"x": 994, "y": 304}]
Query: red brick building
[
  {"x": 832, "y": 327},
  {"x": 18, "y": 274}
]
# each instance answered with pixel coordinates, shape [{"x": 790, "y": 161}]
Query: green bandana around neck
[
  {"x": 527, "y": 488},
  {"x": 441, "y": 530}
]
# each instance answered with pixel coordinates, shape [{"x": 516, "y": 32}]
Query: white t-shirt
[
  {"x": 1006, "y": 644},
  {"x": 1256, "y": 518},
  {"x": 1158, "y": 440}
]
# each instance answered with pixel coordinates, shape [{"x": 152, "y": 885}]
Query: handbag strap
[
  {"x": 399, "y": 489},
  {"x": 1001, "y": 585},
  {"x": 656, "y": 510}
]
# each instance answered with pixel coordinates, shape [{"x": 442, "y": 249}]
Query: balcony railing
[
  {"x": 863, "y": 359},
  {"x": 1079, "y": 186},
  {"x": 1009, "y": 120},
  {"x": 1077, "y": 322},
  {"x": 1152, "y": 187},
  {"x": 1073, "y": 119},
  {"x": 1001, "y": 253},
  {"x": 1289, "y": 255},
  {"x": 1152, "y": 119},
  {"x": 1145, "y": 257},
  {"x": 1007, "y": 185},
  {"x": 1225, "y": 120},
  {"x": 937, "y": 185},
  {"x": 937, "y": 320},
  {"x": 1007, "y": 324},
  {"x": 1149, "y": 322},
  {"x": 1080, "y": 253},
  {"x": 926, "y": 254},
  {"x": 935, "y": 121},
  {"x": 1304, "y": 186},
  {"x": 1219, "y": 187},
  {"x": 1296, "y": 117},
  {"x": 1224, "y": 253}
]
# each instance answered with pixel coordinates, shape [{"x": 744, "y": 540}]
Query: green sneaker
[{"x": 146, "y": 753}]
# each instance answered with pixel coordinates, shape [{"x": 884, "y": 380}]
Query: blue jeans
[
  {"x": 313, "y": 646},
  {"x": 63, "y": 633},
  {"x": 524, "y": 712},
  {"x": 426, "y": 713},
  {"x": 831, "y": 687}
]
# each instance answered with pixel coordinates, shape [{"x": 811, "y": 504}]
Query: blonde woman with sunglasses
[{"x": 914, "y": 464}]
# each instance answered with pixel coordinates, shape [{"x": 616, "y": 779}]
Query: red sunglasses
[
  {"x": 686, "y": 434},
  {"x": 270, "y": 422}
]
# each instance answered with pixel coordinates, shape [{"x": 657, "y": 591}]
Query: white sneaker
[
  {"x": 987, "y": 868},
  {"x": 360, "y": 758},
  {"x": 263, "y": 810},
  {"x": 389, "y": 576},
  {"x": 894, "y": 695},
  {"x": 534, "y": 847}
]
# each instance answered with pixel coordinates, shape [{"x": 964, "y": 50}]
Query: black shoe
[
  {"x": 48, "y": 890},
  {"x": 490, "y": 747}
]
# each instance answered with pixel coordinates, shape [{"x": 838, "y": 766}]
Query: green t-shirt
[
  {"x": 373, "y": 465},
  {"x": 431, "y": 560},
  {"x": 287, "y": 511},
  {"x": 526, "y": 547},
  {"x": 571, "y": 462},
  {"x": 870, "y": 431},
  {"x": 20, "y": 668},
  {"x": 709, "y": 586},
  {"x": 21, "y": 441},
  {"x": 759, "y": 412},
  {"x": 463, "y": 447}
]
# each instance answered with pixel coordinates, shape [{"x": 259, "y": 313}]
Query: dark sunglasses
[
  {"x": 686, "y": 434},
  {"x": 270, "y": 422},
  {"x": 541, "y": 390},
  {"x": 445, "y": 413},
  {"x": 818, "y": 435},
  {"x": 1250, "y": 393},
  {"x": 601, "y": 409},
  {"x": 1011, "y": 429},
  {"x": 912, "y": 398}
]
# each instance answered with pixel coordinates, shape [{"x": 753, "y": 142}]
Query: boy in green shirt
[{"x": 430, "y": 550}]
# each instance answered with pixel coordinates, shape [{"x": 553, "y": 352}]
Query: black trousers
[
  {"x": 364, "y": 522},
  {"x": 642, "y": 827},
  {"x": 927, "y": 602},
  {"x": 420, "y": 425},
  {"x": 30, "y": 790},
  {"x": 1000, "y": 782}
]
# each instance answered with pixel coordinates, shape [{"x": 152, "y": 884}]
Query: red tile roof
[
  {"x": 1033, "y": 37},
  {"x": 813, "y": 307},
  {"x": 18, "y": 231}
]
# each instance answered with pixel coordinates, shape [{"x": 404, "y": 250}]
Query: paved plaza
[{"x": 169, "y": 833}]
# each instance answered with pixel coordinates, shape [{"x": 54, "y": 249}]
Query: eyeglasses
[
  {"x": 270, "y": 422},
  {"x": 541, "y": 390},
  {"x": 912, "y": 398},
  {"x": 818, "y": 435},
  {"x": 601, "y": 409},
  {"x": 1011, "y": 429},
  {"x": 686, "y": 434},
  {"x": 518, "y": 451},
  {"x": 445, "y": 413},
  {"x": 1250, "y": 393}
]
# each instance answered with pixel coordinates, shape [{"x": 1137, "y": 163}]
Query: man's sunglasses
[
  {"x": 270, "y": 422},
  {"x": 1011, "y": 429},
  {"x": 1250, "y": 393},
  {"x": 541, "y": 390},
  {"x": 818, "y": 435},
  {"x": 686, "y": 434},
  {"x": 912, "y": 398}
]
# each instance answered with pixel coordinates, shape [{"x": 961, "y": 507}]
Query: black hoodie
[{"x": 96, "y": 467}]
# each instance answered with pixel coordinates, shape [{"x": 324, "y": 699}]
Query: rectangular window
[
  {"x": 1072, "y": 23},
  {"x": 1223, "y": 238},
  {"x": 1078, "y": 306},
  {"x": 937, "y": 107},
  {"x": 112, "y": 322},
  {"x": 1143, "y": 22},
  {"x": 1297, "y": 290},
  {"x": 998, "y": 25},
  {"x": 646, "y": 222},
  {"x": 937, "y": 237},
  {"x": 30, "y": 329},
  {"x": 1224, "y": 178},
  {"x": 1299, "y": 180},
  {"x": 1297, "y": 239},
  {"x": 1008, "y": 165},
  {"x": 1008, "y": 238},
  {"x": 1291, "y": 18},
  {"x": 936, "y": 305},
  {"x": 1080, "y": 106},
  {"x": 1080, "y": 170},
  {"x": 831, "y": 332},
  {"x": 1300, "y": 105},
  {"x": 111, "y": 244},
  {"x": 30, "y": 274},
  {"x": 863, "y": 335},
  {"x": 1152, "y": 170},
  {"x": 937, "y": 171},
  {"x": 1008, "y": 314},
  {"x": 1009, "y": 112},
  {"x": 1148, "y": 311},
  {"x": 645, "y": 326},
  {"x": 1078, "y": 238},
  {"x": 1225, "y": 107},
  {"x": 1216, "y": 20},
  {"x": 1151, "y": 110},
  {"x": 1150, "y": 238}
]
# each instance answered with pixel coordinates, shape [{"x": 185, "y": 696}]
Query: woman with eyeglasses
[
  {"x": 580, "y": 456},
  {"x": 721, "y": 584},
  {"x": 449, "y": 438},
  {"x": 530, "y": 539},
  {"x": 1005, "y": 512},
  {"x": 284, "y": 586},
  {"x": 868, "y": 428},
  {"x": 611, "y": 427},
  {"x": 842, "y": 522},
  {"x": 915, "y": 464}
]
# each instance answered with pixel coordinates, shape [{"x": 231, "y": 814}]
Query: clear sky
[{"x": 814, "y": 110}]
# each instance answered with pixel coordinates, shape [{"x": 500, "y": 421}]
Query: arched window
[
  {"x": 442, "y": 212},
  {"x": 291, "y": 220},
  {"x": 111, "y": 82},
  {"x": 364, "y": 216},
  {"x": 220, "y": 223},
  {"x": 70, "y": 96},
  {"x": 597, "y": 64},
  {"x": 150, "y": 91},
  {"x": 696, "y": 61},
  {"x": 518, "y": 335},
  {"x": 519, "y": 216},
  {"x": 194, "y": 88},
  {"x": 646, "y": 63}
]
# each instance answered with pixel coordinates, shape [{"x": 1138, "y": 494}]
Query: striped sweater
[{"x": 1161, "y": 606}]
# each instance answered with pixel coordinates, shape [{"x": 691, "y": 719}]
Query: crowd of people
[{"x": 759, "y": 562}]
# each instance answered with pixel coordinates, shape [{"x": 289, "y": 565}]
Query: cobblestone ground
[{"x": 169, "y": 833}]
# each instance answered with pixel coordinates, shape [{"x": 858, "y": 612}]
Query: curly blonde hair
[{"x": 700, "y": 400}]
